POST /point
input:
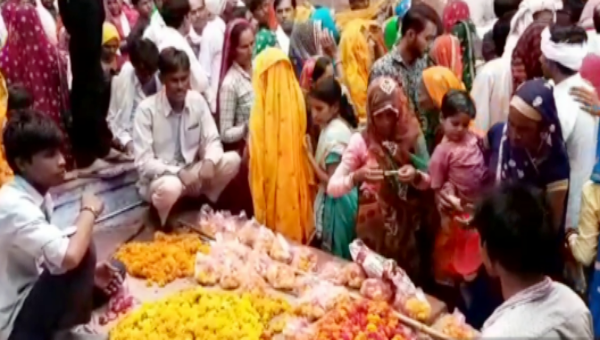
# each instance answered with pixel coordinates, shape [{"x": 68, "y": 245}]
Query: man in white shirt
[
  {"x": 48, "y": 273},
  {"x": 285, "y": 11},
  {"x": 211, "y": 48},
  {"x": 517, "y": 240},
  {"x": 169, "y": 28},
  {"x": 563, "y": 50},
  {"x": 198, "y": 19},
  {"x": 137, "y": 80},
  {"x": 177, "y": 148}
]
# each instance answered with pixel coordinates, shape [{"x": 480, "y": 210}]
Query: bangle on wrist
[{"x": 90, "y": 209}]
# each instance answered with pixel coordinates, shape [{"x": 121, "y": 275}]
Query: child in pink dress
[{"x": 457, "y": 170}]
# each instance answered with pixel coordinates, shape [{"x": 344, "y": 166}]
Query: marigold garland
[
  {"x": 167, "y": 258},
  {"x": 202, "y": 314}
]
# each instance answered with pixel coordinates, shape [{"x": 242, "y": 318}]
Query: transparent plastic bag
[
  {"x": 248, "y": 231},
  {"x": 377, "y": 290},
  {"x": 298, "y": 329},
  {"x": 263, "y": 240},
  {"x": 280, "y": 250},
  {"x": 455, "y": 326},
  {"x": 304, "y": 259},
  {"x": 320, "y": 299},
  {"x": 332, "y": 272},
  {"x": 355, "y": 275},
  {"x": 206, "y": 270},
  {"x": 231, "y": 276},
  {"x": 281, "y": 277}
]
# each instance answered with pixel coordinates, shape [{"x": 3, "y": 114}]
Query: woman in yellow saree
[
  {"x": 363, "y": 9},
  {"x": 281, "y": 179},
  {"x": 361, "y": 44}
]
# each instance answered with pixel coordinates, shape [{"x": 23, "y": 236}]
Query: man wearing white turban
[
  {"x": 211, "y": 48},
  {"x": 563, "y": 49}
]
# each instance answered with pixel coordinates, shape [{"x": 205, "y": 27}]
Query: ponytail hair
[{"x": 329, "y": 90}]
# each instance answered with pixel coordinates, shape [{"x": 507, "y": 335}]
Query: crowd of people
[{"x": 458, "y": 138}]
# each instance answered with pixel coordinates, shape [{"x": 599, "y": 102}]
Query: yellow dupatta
[
  {"x": 370, "y": 13},
  {"x": 357, "y": 60},
  {"x": 6, "y": 173},
  {"x": 280, "y": 173},
  {"x": 304, "y": 12}
]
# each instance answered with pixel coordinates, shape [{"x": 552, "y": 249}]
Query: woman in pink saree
[{"x": 29, "y": 59}]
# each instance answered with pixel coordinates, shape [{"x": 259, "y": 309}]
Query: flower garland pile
[{"x": 167, "y": 258}]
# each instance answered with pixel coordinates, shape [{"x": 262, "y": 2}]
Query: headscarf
[
  {"x": 324, "y": 16},
  {"x": 402, "y": 7},
  {"x": 109, "y": 32},
  {"x": 589, "y": 71},
  {"x": 304, "y": 11},
  {"x": 307, "y": 73},
  {"x": 524, "y": 17},
  {"x": 454, "y": 12},
  {"x": 385, "y": 93},
  {"x": 357, "y": 61},
  {"x": 446, "y": 52},
  {"x": 370, "y": 13},
  {"x": 390, "y": 34},
  {"x": 280, "y": 173},
  {"x": 216, "y": 7},
  {"x": 587, "y": 15},
  {"x": 29, "y": 59},
  {"x": 228, "y": 56},
  {"x": 535, "y": 98},
  {"x": 123, "y": 21},
  {"x": 304, "y": 40},
  {"x": 568, "y": 55},
  {"x": 525, "y": 61},
  {"x": 438, "y": 81},
  {"x": 465, "y": 32}
]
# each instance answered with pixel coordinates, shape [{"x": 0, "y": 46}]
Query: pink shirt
[{"x": 355, "y": 157}]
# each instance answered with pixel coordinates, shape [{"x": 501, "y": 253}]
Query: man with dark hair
[
  {"x": 407, "y": 60},
  {"x": 137, "y": 80},
  {"x": 177, "y": 147},
  {"x": 517, "y": 240},
  {"x": 170, "y": 29},
  {"x": 49, "y": 277},
  {"x": 285, "y": 12},
  {"x": 501, "y": 7},
  {"x": 563, "y": 50}
]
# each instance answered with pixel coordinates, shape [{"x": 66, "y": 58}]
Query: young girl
[
  {"x": 334, "y": 217},
  {"x": 457, "y": 171}
]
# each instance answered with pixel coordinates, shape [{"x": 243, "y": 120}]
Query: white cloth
[
  {"x": 482, "y": 12},
  {"x": 555, "y": 313},
  {"x": 211, "y": 52},
  {"x": 283, "y": 40},
  {"x": 153, "y": 31},
  {"x": 166, "y": 37},
  {"x": 124, "y": 25},
  {"x": 579, "y": 130},
  {"x": 524, "y": 17},
  {"x": 3, "y": 31},
  {"x": 568, "y": 55},
  {"x": 215, "y": 7},
  {"x": 27, "y": 239},
  {"x": 492, "y": 90},
  {"x": 126, "y": 92},
  {"x": 48, "y": 23},
  {"x": 153, "y": 141},
  {"x": 593, "y": 42}
]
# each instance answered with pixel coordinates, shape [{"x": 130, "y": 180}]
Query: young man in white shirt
[
  {"x": 211, "y": 48},
  {"x": 517, "y": 240},
  {"x": 177, "y": 148},
  {"x": 563, "y": 50},
  {"x": 285, "y": 11},
  {"x": 48, "y": 273},
  {"x": 170, "y": 29},
  {"x": 137, "y": 80}
]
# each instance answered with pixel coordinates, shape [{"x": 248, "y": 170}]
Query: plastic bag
[
  {"x": 260, "y": 262},
  {"x": 304, "y": 259},
  {"x": 333, "y": 273},
  {"x": 252, "y": 281},
  {"x": 416, "y": 305},
  {"x": 455, "y": 326},
  {"x": 305, "y": 283},
  {"x": 281, "y": 277},
  {"x": 224, "y": 248},
  {"x": 120, "y": 303},
  {"x": 377, "y": 290},
  {"x": 230, "y": 276},
  {"x": 318, "y": 300},
  {"x": 298, "y": 329},
  {"x": 355, "y": 275},
  {"x": 263, "y": 240},
  {"x": 206, "y": 270},
  {"x": 280, "y": 250},
  {"x": 247, "y": 233}
]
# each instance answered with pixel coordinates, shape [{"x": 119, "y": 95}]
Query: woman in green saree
[
  {"x": 265, "y": 37},
  {"x": 335, "y": 218}
]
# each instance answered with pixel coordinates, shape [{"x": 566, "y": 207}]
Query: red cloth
[
  {"x": 589, "y": 70},
  {"x": 29, "y": 59},
  {"x": 525, "y": 62},
  {"x": 272, "y": 18},
  {"x": 455, "y": 11}
]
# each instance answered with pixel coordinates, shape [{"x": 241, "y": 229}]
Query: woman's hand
[
  {"x": 587, "y": 98},
  {"x": 308, "y": 144},
  {"x": 447, "y": 203},
  {"x": 368, "y": 174},
  {"x": 328, "y": 44},
  {"x": 407, "y": 174}
]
